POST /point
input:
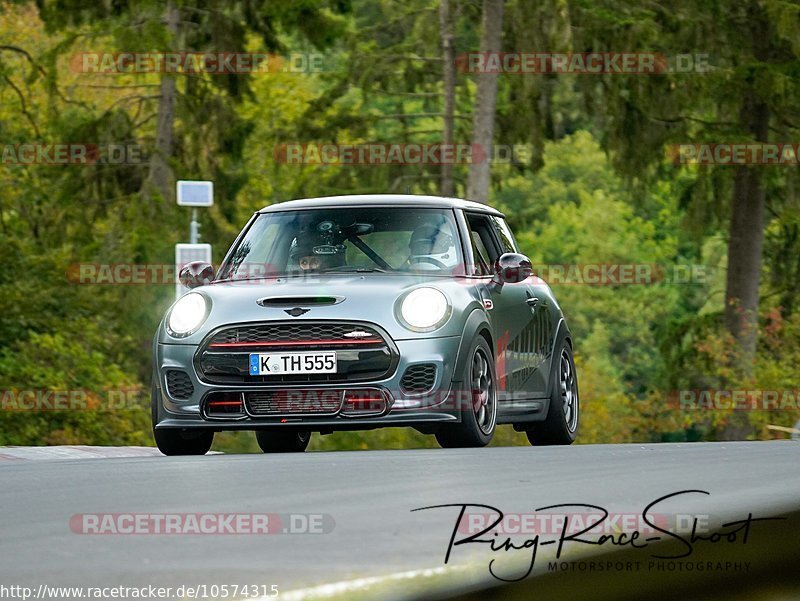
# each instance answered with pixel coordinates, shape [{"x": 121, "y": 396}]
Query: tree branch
[
  {"x": 415, "y": 116},
  {"x": 133, "y": 85},
  {"x": 23, "y": 105},
  {"x": 27, "y": 55}
]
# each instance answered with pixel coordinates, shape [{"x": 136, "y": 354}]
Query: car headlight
[
  {"x": 424, "y": 309},
  {"x": 187, "y": 315}
]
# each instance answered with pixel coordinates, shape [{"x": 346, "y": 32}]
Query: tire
[
  {"x": 563, "y": 416},
  {"x": 173, "y": 441},
  {"x": 155, "y": 400},
  {"x": 283, "y": 441},
  {"x": 478, "y": 403}
]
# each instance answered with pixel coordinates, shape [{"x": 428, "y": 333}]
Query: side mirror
[
  {"x": 512, "y": 268},
  {"x": 196, "y": 273}
]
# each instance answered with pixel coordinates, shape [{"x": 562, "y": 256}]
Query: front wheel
[
  {"x": 477, "y": 402},
  {"x": 283, "y": 441},
  {"x": 174, "y": 441},
  {"x": 183, "y": 442},
  {"x": 561, "y": 425}
]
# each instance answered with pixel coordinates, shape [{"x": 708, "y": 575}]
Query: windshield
[{"x": 312, "y": 241}]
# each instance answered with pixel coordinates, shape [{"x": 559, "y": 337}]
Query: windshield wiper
[
  {"x": 252, "y": 279},
  {"x": 350, "y": 269}
]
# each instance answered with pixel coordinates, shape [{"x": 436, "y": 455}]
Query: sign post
[{"x": 192, "y": 194}]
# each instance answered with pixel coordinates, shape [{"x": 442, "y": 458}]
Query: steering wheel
[{"x": 424, "y": 259}]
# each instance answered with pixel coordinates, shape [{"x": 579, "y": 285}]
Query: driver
[
  {"x": 430, "y": 247},
  {"x": 311, "y": 253}
]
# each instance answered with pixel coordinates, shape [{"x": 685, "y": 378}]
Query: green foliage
[
  {"x": 596, "y": 189},
  {"x": 103, "y": 403}
]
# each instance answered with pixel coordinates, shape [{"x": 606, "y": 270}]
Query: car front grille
[
  {"x": 179, "y": 385},
  {"x": 363, "y": 352},
  {"x": 293, "y": 402},
  {"x": 295, "y": 335},
  {"x": 418, "y": 379}
]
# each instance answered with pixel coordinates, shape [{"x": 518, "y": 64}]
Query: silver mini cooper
[{"x": 359, "y": 312}]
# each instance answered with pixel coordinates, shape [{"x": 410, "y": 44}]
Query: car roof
[{"x": 364, "y": 200}]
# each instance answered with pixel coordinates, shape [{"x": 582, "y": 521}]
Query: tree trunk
[
  {"x": 447, "y": 187},
  {"x": 485, "y": 102},
  {"x": 745, "y": 242},
  {"x": 160, "y": 179}
]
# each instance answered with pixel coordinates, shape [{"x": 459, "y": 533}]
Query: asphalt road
[{"x": 369, "y": 496}]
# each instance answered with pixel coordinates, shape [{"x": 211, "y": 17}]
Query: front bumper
[{"x": 437, "y": 405}]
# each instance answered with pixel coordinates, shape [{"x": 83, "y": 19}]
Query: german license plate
[{"x": 269, "y": 364}]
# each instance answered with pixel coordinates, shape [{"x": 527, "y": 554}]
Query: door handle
[{"x": 532, "y": 302}]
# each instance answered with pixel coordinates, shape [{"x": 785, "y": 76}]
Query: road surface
[{"x": 366, "y": 496}]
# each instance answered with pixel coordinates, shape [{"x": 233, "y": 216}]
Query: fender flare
[
  {"x": 156, "y": 387},
  {"x": 562, "y": 333},
  {"x": 476, "y": 322}
]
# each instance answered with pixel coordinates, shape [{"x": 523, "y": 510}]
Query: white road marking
[
  {"x": 425, "y": 580},
  {"x": 73, "y": 452}
]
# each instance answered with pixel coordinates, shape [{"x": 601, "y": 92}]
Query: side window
[
  {"x": 480, "y": 253},
  {"x": 504, "y": 235},
  {"x": 483, "y": 243}
]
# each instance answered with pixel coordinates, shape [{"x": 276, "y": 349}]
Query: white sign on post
[
  {"x": 195, "y": 193},
  {"x": 191, "y": 193},
  {"x": 186, "y": 253}
]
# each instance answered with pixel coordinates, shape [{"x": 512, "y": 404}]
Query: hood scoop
[{"x": 299, "y": 301}]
